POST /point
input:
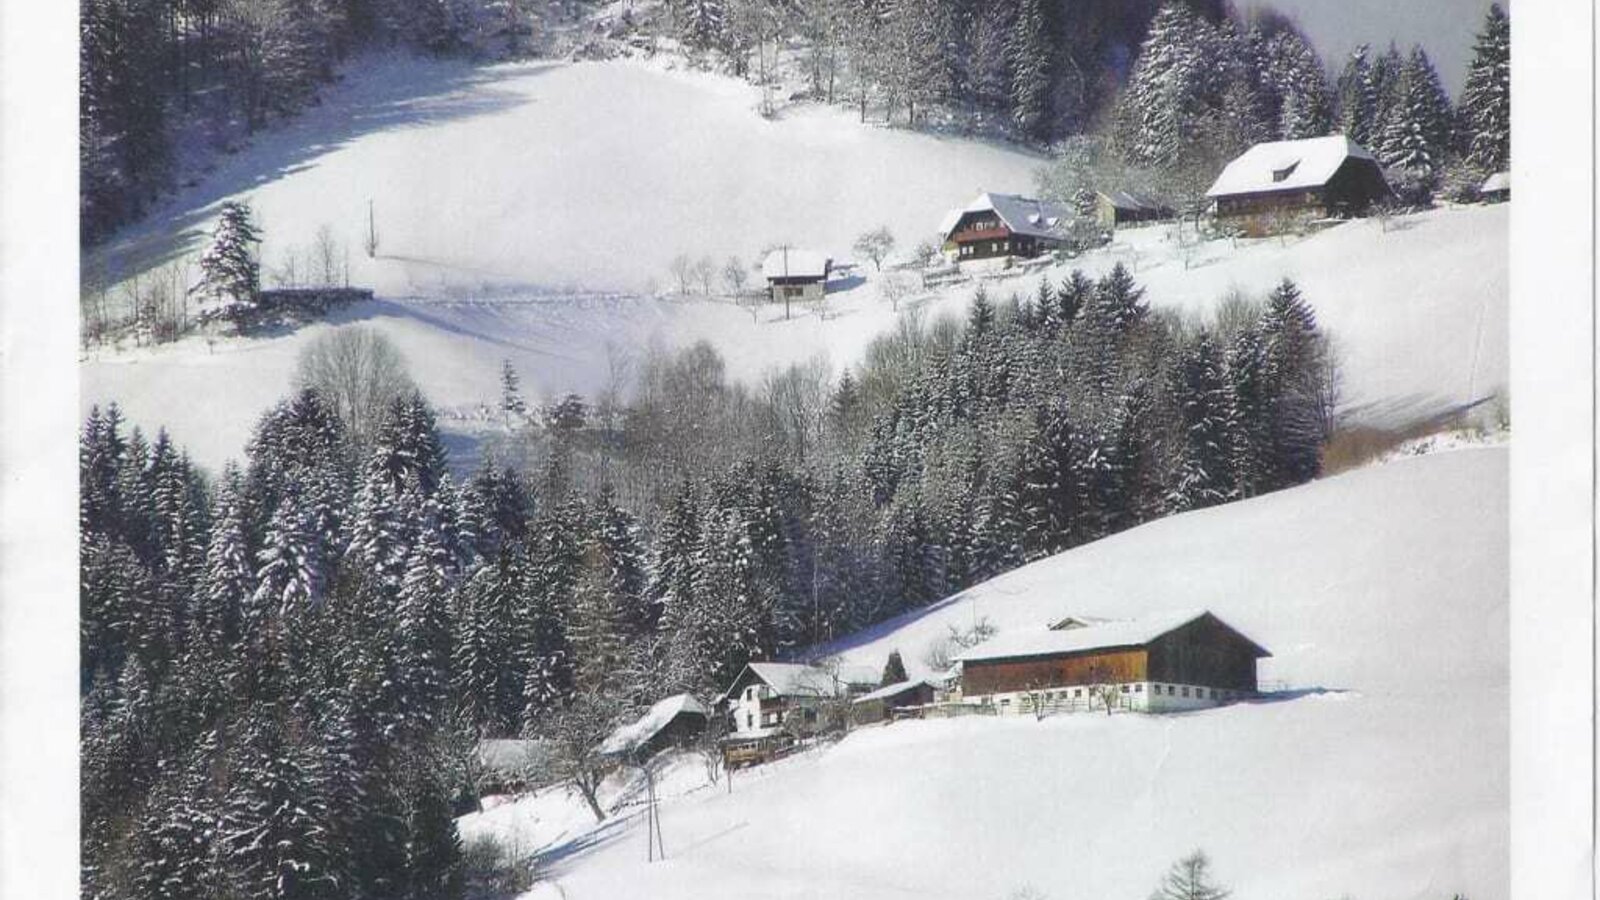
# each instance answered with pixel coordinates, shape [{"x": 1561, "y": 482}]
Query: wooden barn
[
  {"x": 676, "y": 721},
  {"x": 1168, "y": 661},
  {"x": 996, "y": 226},
  {"x": 796, "y": 275},
  {"x": 882, "y": 703},
  {"x": 1311, "y": 178},
  {"x": 1119, "y": 209}
]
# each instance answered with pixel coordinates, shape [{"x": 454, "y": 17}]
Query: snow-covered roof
[
  {"x": 1102, "y": 636},
  {"x": 1023, "y": 215},
  {"x": 512, "y": 755},
  {"x": 1499, "y": 181},
  {"x": 793, "y": 263},
  {"x": 799, "y": 679},
  {"x": 889, "y": 690},
  {"x": 1125, "y": 200},
  {"x": 1287, "y": 165},
  {"x": 638, "y": 732}
]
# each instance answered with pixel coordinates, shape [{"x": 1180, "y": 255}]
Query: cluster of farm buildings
[
  {"x": 1168, "y": 662},
  {"x": 1265, "y": 189}
]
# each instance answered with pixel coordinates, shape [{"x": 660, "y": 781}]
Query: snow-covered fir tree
[
  {"x": 1417, "y": 132},
  {"x": 1358, "y": 97},
  {"x": 230, "y": 269},
  {"x": 1485, "y": 108}
]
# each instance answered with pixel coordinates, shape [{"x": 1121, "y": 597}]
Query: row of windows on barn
[{"x": 1171, "y": 690}]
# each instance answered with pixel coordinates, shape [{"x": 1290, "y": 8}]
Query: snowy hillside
[
  {"x": 552, "y": 176},
  {"x": 1383, "y": 774},
  {"x": 1411, "y": 346},
  {"x": 534, "y": 223}
]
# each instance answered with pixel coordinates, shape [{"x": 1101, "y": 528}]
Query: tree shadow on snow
[
  {"x": 382, "y": 100},
  {"x": 561, "y": 852}
]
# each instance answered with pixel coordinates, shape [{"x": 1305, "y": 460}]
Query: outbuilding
[
  {"x": 1161, "y": 662},
  {"x": 1119, "y": 209},
  {"x": 796, "y": 275},
  {"x": 1310, "y": 178},
  {"x": 1496, "y": 188},
  {"x": 882, "y": 703},
  {"x": 673, "y": 722}
]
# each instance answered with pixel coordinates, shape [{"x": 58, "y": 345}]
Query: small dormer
[
  {"x": 1284, "y": 170},
  {"x": 1072, "y": 622}
]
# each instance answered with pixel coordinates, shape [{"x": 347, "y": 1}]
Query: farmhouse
[
  {"x": 770, "y": 704},
  {"x": 1314, "y": 177},
  {"x": 882, "y": 703},
  {"x": 792, "y": 274},
  {"x": 1121, "y": 208},
  {"x": 1163, "y": 662},
  {"x": 1496, "y": 188},
  {"x": 673, "y": 722},
  {"x": 996, "y": 226}
]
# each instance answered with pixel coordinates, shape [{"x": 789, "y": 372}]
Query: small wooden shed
[{"x": 881, "y": 703}]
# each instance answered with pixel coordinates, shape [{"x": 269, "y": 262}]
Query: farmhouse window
[
  {"x": 1138, "y": 689},
  {"x": 810, "y": 715},
  {"x": 749, "y": 721},
  {"x": 1186, "y": 690},
  {"x": 1077, "y": 692},
  {"x": 1124, "y": 689}
]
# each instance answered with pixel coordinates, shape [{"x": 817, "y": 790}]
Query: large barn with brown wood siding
[{"x": 1162, "y": 662}]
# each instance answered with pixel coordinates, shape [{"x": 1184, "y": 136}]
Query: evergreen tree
[
  {"x": 230, "y": 273},
  {"x": 1206, "y": 476},
  {"x": 229, "y": 580},
  {"x": 275, "y": 815},
  {"x": 1485, "y": 109},
  {"x": 512, "y": 406},
  {"x": 1029, "y": 53},
  {"x": 894, "y": 670},
  {"x": 1301, "y": 86},
  {"x": 1358, "y": 98},
  {"x": 424, "y": 633},
  {"x": 1417, "y": 132}
]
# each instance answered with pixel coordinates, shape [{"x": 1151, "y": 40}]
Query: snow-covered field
[
  {"x": 530, "y": 212},
  {"x": 1380, "y": 773},
  {"x": 559, "y": 176},
  {"x": 527, "y": 211}
]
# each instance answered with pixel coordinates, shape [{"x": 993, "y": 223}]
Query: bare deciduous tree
[
  {"x": 325, "y": 255},
  {"x": 735, "y": 275},
  {"x": 705, "y": 272},
  {"x": 894, "y": 288},
  {"x": 357, "y": 370},
  {"x": 682, "y": 269},
  {"x": 875, "y": 245},
  {"x": 796, "y": 400},
  {"x": 577, "y": 733}
]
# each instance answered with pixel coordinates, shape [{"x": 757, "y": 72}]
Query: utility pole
[{"x": 786, "y": 282}]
